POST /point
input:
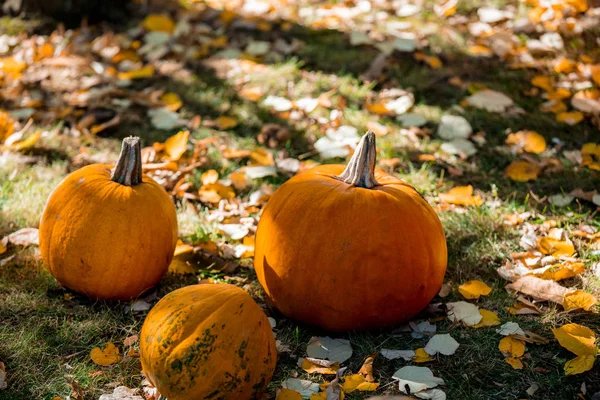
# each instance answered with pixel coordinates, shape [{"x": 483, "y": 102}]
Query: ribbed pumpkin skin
[
  {"x": 342, "y": 257},
  {"x": 208, "y": 341},
  {"x": 106, "y": 240}
]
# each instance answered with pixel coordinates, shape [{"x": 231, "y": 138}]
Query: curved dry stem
[
  {"x": 360, "y": 171},
  {"x": 128, "y": 170}
]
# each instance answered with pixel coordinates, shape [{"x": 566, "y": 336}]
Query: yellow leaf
[
  {"x": 251, "y": 93},
  {"x": 514, "y": 362},
  {"x": 367, "y": 386},
  {"x": 126, "y": 55},
  {"x": 378, "y": 109},
  {"x": 238, "y": 180},
  {"x": 107, "y": 356},
  {"x": 579, "y": 299},
  {"x": 543, "y": 82},
  {"x": 488, "y": 318},
  {"x": 529, "y": 141},
  {"x": 208, "y": 177},
  {"x": 576, "y": 338},
  {"x": 26, "y": 144},
  {"x": 570, "y": 118},
  {"x": 445, "y": 8},
  {"x": 7, "y": 125},
  {"x": 596, "y": 74},
  {"x": 559, "y": 94},
  {"x": 227, "y": 16},
  {"x": 555, "y": 247},
  {"x": 171, "y": 100},
  {"x": 214, "y": 192},
  {"x": 422, "y": 356},
  {"x": 139, "y": 73},
  {"x": 512, "y": 347},
  {"x": 2, "y": 248},
  {"x": 474, "y": 289},
  {"x": 289, "y": 394},
  {"x": 433, "y": 61},
  {"x": 462, "y": 195},
  {"x": 176, "y": 145},
  {"x": 225, "y": 122},
  {"x": 262, "y": 157},
  {"x": 590, "y": 156},
  {"x": 313, "y": 368},
  {"x": 12, "y": 67},
  {"x": 553, "y": 106},
  {"x": 559, "y": 272},
  {"x": 579, "y": 364},
  {"x": 158, "y": 23},
  {"x": 180, "y": 264},
  {"x": 565, "y": 66},
  {"x": 479, "y": 50},
  {"x": 522, "y": 171},
  {"x": 351, "y": 382}
]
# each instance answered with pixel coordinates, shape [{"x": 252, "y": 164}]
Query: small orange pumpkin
[
  {"x": 209, "y": 341},
  {"x": 351, "y": 247},
  {"x": 109, "y": 235}
]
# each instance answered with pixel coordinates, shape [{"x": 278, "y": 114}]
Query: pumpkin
[
  {"x": 350, "y": 248},
  {"x": 109, "y": 233},
  {"x": 208, "y": 341}
]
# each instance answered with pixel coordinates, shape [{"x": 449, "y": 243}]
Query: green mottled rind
[{"x": 208, "y": 342}]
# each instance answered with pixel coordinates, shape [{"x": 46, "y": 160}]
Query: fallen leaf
[
  {"x": 215, "y": 192},
  {"x": 590, "y": 156},
  {"x": 138, "y": 73},
  {"x": 454, "y": 127},
  {"x": 587, "y": 101},
  {"x": 224, "y": 122},
  {"x": 441, "y": 343},
  {"x": 515, "y": 363},
  {"x": 122, "y": 393},
  {"x": 556, "y": 247},
  {"x": 445, "y": 8},
  {"x": 490, "y": 100},
  {"x": 529, "y": 141},
  {"x": 317, "y": 366},
  {"x": 461, "y": 147},
  {"x": 579, "y": 299},
  {"x": 570, "y": 118},
  {"x": 488, "y": 318},
  {"x": 422, "y": 356},
  {"x": 510, "y": 328},
  {"x": 176, "y": 145},
  {"x": 461, "y": 195},
  {"x": 543, "y": 82},
  {"x": 474, "y": 289},
  {"x": 288, "y": 394},
  {"x": 511, "y": 347},
  {"x": 366, "y": 369},
  {"x": 540, "y": 289},
  {"x": 407, "y": 355},
  {"x": 327, "y": 348},
  {"x": 304, "y": 387},
  {"x": 171, "y": 100},
  {"x": 522, "y": 171},
  {"x": 25, "y": 144},
  {"x": 3, "y": 383},
  {"x": 578, "y": 339},
  {"x": 559, "y": 272},
  {"x": 358, "y": 382},
  {"x": 23, "y": 237},
  {"x": 579, "y": 364},
  {"x": 107, "y": 356},
  {"x": 464, "y": 312},
  {"x": 158, "y": 23},
  {"x": 414, "y": 379},
  {"x": 165, "y": 119}
]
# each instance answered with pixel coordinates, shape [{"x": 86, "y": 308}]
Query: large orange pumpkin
[
  {"x": 350, "y": 247},
  {"x": 109, "y": 233},
  {"x": 208, "y": 342}
]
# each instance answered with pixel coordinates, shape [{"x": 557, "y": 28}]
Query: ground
[{"x": 47, "y": 332}]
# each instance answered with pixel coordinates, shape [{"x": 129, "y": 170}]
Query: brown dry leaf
[
  {"x": 511, "y": 347},
  {"x": 445, "y": 290},
  {"x": 131, "y": 340},
  {"x": 378, "y": 109},
  {"x": 530, "y": 141},
  {"x": 540, "y": 289},
  {"x": 522, "y": 171},
  {"x": 107, "y": 356},
  {"x": 474, "y": 289},
  {"x": 171, "y": 100},
  {"x": 158, "y": 23},
  {"x": 579, "y": 299},
  {"x": 239, "y": 180},
  {"x": 461, "y": 195},
  {"x": 176, "y": 145},
  {"x": 367, "y": 368}
]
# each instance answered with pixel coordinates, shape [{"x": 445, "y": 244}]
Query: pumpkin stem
[
  {"x": 128, "y": 170},
  {"x": 360, "y": 171}
]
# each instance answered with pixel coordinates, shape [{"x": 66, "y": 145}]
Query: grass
[{"x": 47, "y": 332}]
